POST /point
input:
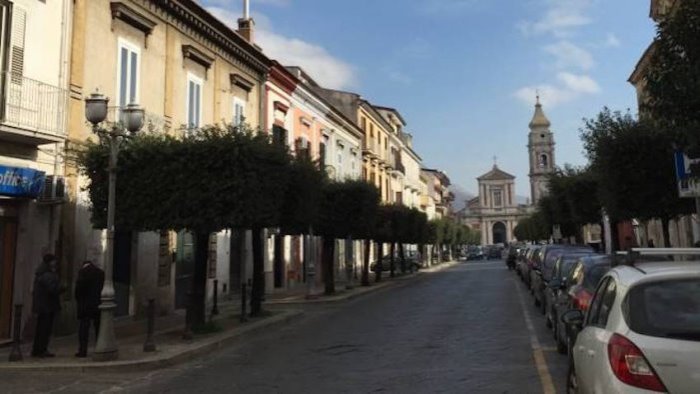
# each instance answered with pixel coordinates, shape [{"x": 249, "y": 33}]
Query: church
[{"x": 495, "y": 211}]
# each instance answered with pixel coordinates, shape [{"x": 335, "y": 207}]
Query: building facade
[
  {"x": 35, "y": 54},
  {"x": 186, "y": 69},
  {"x": 495, "y": 211},
  {"x": 437, "y": 195}
]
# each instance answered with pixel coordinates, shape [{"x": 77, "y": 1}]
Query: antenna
[{"x": 246, "y": 9}]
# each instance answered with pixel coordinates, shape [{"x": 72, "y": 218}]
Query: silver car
[{"x": 641, "y": 333}]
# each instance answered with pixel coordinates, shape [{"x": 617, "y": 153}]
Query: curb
[
  {"x": 196, "y": 350},
  {"x": 375, "y": 287}
]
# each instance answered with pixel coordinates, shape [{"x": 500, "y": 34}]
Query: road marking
[{"x": 537, "y": 350}]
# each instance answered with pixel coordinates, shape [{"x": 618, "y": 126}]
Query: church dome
[{"x": 539, "y": 119}]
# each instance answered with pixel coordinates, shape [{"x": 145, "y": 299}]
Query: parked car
[
  {"x": 494, "y": 252},
  {"x": 511, "y": 255},
  {"x": 580, "y": 287},
  {"x": 412, "y": 263},
  {"x": 555, "y": 292},
  {"x": 475, "y": 253},
  {"x": 543, "y": 272},
  {"x": 527, "y": 263},
  {"x": 641, "y": 333},
  {"x": 533, "y": 265}
]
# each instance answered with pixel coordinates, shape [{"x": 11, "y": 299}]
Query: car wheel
[{"x": 572, "y": 380}]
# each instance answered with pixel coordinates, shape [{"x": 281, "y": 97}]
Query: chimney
[{"x": 246, "y": 25}]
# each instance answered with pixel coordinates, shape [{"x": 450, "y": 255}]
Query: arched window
[{"x": 544, "y": 161}]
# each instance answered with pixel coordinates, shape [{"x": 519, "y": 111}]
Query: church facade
[{"x": 495, "y": 211}]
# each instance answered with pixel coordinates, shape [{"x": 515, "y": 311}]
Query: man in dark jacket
[
  {"x": 88, "y": 288},
  {"x": 46, "y": 303}
]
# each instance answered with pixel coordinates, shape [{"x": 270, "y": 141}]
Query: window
[
  {"x": 279, "y": 135},
  {"x": 602, "y": 303},
  {"x": 128, "y": 74},
  {"x": 340, "y": 153},
  {"x": 544, "y": 161},
  {"x": 353, "y": 160},
  {"x": 322, "y": 146},
  {"x": 194, "y": 101},
  {"x": 497, "y": 198},
  {"x": 238, "y": 111}
]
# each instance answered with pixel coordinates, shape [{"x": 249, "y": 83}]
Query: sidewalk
[
  {"x": 343, "y": 294},
  {"x": 170, "y": 347}
]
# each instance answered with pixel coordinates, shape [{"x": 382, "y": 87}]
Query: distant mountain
[{"x": 461, "y": 196}]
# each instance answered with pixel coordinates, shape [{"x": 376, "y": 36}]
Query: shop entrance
[{"x": 8, "y": 247}]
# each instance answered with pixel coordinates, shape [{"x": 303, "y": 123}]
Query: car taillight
[
  {"x": 582, "y": 299},
  {"x": 630, "y": 366}
]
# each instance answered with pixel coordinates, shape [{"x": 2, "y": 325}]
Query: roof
[
  {"x": 394, "y": 110},
  {"x": 539, "y": 119},
  {"x": 496, "y": 174},
  {"x": 643, "y": 272}
]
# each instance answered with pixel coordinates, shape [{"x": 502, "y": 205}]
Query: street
[{"x": 465, "y": 329}]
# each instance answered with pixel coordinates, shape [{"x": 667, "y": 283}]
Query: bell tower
[{"x": 541, "y": 151}]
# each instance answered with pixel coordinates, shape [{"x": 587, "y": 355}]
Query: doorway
[
  {"x": 184, "y": 268},
  {"x": 122, "y": 271},
  {"x": 8, "y": 247},
  {"x": 499, "y": 233}
]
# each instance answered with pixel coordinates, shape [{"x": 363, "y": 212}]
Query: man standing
[
  {"x": 46, "y": 303},
  {"x": 88, "y": 288}
]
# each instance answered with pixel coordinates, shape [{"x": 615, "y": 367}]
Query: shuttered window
[
  {"x": 238, "y": 111},
  {"x": 19, "y": 23}
]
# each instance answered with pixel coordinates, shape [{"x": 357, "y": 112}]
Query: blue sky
[{"x": 463, "y": 72}]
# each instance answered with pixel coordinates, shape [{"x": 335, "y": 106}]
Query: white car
[{"x": 641, "y": 333}]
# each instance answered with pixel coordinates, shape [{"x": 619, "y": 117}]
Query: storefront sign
[{"x": 21, "y": 182}]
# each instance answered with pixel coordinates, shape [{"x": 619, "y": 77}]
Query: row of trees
[
  {"x": 237, "y": 178},
  {"x": 631, "y": 168}
]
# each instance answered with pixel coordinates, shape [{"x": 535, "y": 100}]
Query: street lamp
[{"x": 131, "y": 121}]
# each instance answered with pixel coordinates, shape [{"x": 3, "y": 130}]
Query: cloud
[
  {"x": 398, "y": 76},
  {"x": 568, "y": 55},
  {"x": 326, "y": 69},
  {"x": 560, "y": 18},
  {"x": 612, "y": 41},
  {"x": 569, "y": 87}
]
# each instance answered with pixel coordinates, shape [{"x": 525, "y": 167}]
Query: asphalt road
[{"x": 468, "y": 329}]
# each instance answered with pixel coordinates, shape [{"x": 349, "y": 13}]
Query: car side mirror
[{"x": 572, "y": 317}]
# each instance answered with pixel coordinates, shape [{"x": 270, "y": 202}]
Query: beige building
[
  {"x": 34, "y": 54},
  {"x": 186, "y": 69},
  {"x": 437, "y": 196}
]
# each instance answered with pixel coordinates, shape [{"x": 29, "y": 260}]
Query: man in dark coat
[
  {"x": 88, "y": 288},
  {"x": 46, "y": 302}
]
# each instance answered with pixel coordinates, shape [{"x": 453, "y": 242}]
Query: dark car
[
  {"x": 555, "y": 291},
  {"x": 526, "y": 263},
  {"x": 475, "y": 253},
  {"x": 512, "y": 253},
  {"x": 580, "y": 286},
  {"x": 494, "y": 252},
  {"x": 543, "y": 271},
  {"x": 412, "y": 263}
]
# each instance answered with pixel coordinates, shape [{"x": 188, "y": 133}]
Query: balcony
[
  {"x": 370, "y": 148},
  {"x": 32, "y": 112}
]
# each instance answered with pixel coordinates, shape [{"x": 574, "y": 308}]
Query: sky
[{"x": 464, "y": 73}]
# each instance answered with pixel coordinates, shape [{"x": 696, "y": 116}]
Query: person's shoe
[{"x": 80, "y": 355}]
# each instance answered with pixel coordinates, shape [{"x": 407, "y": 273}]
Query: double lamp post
[{"x": 130, "y": 120}]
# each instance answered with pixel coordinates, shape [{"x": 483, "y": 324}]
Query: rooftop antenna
[{"x": 246, "y": 9}]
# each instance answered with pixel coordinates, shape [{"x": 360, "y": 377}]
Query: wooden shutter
[{"x": 19, "y": 23}]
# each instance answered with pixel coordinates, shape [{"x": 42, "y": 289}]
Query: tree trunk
[
  {"x": 258, "y": 291},
  {"x": 402, "y": 258},
  {"x": 196, "y": 310},
  {"x": 666, "y": 232},
  {"x": 365, "y": 264},
  {"x": 392, "y": 259},
  {"x": 328, "y": 266},
  {"x": 378, "y": 264}
]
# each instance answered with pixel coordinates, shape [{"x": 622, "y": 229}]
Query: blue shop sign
[{"x": 21, "y": 182}]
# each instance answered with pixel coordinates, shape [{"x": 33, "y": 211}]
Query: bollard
[
  {"x": 16, "y": 352},
  {"x": 149, "y": 345},
  {"x": 243, "y": 302},
  {"x": 187, "y": 334},
  {"x": 215, "y": 308}
]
